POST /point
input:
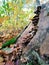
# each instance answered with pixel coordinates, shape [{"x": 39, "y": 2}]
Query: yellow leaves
[
  {"x": 10, "y": 4},
  {"x": 28, "y": 1},
  {"x": 1, "y": 59},
  {"x": 4, "y": 19},
  {"x": 1, "y": 20},
  {"x": 22, "y": 12},
  {"x": 14, "y": 9},
  {"x": 20, "y": 3}
]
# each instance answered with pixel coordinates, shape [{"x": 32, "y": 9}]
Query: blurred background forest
[{"x": 16, "y": 13}]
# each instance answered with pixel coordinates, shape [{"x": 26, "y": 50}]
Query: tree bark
[{"x": 41, "y": 34}]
